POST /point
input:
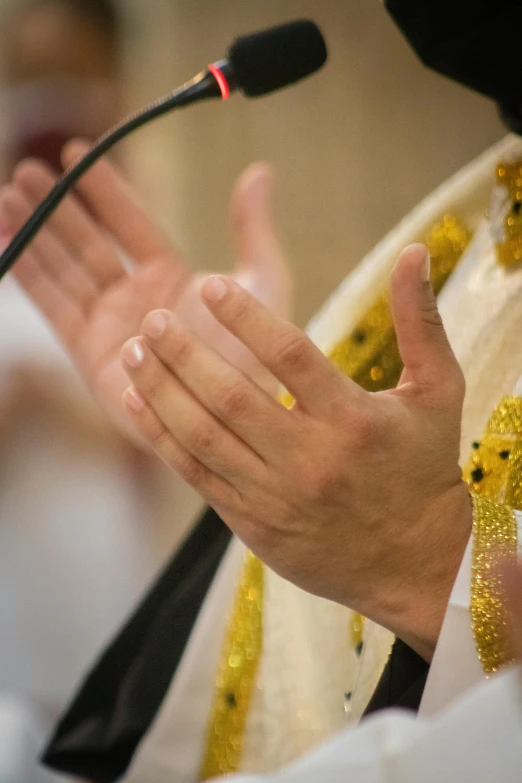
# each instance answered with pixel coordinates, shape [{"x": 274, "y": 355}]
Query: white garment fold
[{"x": 478, "y": 740}]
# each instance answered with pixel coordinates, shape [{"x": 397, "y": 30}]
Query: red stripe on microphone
[{"x": 220, "y": 78}]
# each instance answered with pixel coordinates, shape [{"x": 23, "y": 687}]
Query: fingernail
[
  {"x": 214, "y": 288},
  {"x": 134, "y": 400},
  {"x": 425, "y": 270},
  {"x": 133, "y": 354},
  {"x": 154, "y": 325}
]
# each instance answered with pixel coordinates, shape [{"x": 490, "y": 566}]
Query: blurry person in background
[
  {"x": 62, "y": 76},
  {"x": 73, "y": 505}
]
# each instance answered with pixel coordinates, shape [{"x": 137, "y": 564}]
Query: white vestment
[
  {"x": 307, "y": 663},
  {"x": 478, "y": 740}
]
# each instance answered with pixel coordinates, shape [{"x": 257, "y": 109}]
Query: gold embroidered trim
[
  {"x": 509, "y": 178},
  {"x": 236, "y": 675},
  {"x": 494, "y": 469},
  {"x": 507, "y": 417},
  {"x": 370, "y": 356},
  {"x": 494, "y": 476},
  {"x": 357, "y": 630},
  {"x": 494, "y": 540}
]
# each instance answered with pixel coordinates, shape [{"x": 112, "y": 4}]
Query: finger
[
  {"x": 259, "y": 252},
  {"x": 214, "y": 489},
  {"x": 429, "y": 361},
  {"x": 62, "y": 313},
  {"x": 53, "y": 259},
  {"x": 71, "y": 224},
  {"x": 248, "y": 411},
  {"x": 116, "y": 205},
  {"x": 197, "y": 431},
  {"x": 280, "y": 347}
]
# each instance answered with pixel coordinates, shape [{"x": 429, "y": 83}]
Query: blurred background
[{"x": 85, "y": 519}]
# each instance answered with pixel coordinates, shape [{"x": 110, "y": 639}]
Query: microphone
[
  {"x": 278, "y": 57},
  {"x": 256, "y": 64}
]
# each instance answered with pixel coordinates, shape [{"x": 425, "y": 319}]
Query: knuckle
[
  {"x": 292, "y": 352},
  {"x": 158, "y": 435},
  {"x": 233, "y": 400},
  {"x": 161, "y": 441},
  {"x": 157, "y": 388},
  {"x": 181, "y": 349},
  {"x": 319, "y": 476},
  {"x": 361, "y": 430},
  {"x": 202, "y": 439},
  {"x": 323, "y": 481},
  {"x": 238, "y": 308},
  {"x": 190, "y": 470},
  {"x": 429, "y": 312}
]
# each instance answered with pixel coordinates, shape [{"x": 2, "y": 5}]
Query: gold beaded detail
[
  {"x": 494, "y": 541},
  {"x": 494, "y": 476},
  {"x": 236, "y": 676},
  {"x": 507, "y": 208},
  {"x": 494, "y": 469},
  {"x": 370, "y": 356},
  {"x": 357, "y": 630}
]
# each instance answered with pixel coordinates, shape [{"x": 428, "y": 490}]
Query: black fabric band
[
  {"x": 99, "y": 734},
  {"x": 403, "y": 681}
]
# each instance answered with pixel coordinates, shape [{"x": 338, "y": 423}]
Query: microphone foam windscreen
[{"x": 277, "y": 57}]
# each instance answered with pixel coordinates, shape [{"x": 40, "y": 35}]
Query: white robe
[
  {"x": 307, "y": 664},
  {"x": 478, "y": 740}
]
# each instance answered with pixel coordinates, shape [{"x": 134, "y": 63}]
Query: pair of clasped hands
[{"x": 354, "y": 496}]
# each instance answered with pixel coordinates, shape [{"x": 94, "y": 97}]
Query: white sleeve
[
  {"x": 455, "y": 667},
  {"x": 479, "y": 739}
]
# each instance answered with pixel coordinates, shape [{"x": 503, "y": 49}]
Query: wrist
[{"x": 420, "y": 589}]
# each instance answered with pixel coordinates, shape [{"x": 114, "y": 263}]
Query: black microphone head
[{"x": 274, "y": 58}]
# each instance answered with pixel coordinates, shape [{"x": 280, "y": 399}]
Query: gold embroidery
[
  {"x": 357, "y": 630},
  {"x": 370, "y": 356},
  {"x": 494, "y": 469},
  {"x": 508, "y": 202},
  {"x": 494, "y": 475},
  {"x": 494, "y": 540},
  {"x": 236, "y": 676}
]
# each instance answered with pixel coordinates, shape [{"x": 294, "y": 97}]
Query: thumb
[
  {"x": 260, "y": 265},
  {"x": 428, "y": 359}
]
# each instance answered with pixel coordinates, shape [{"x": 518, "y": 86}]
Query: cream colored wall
[{"x": 355, "y": 147}]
